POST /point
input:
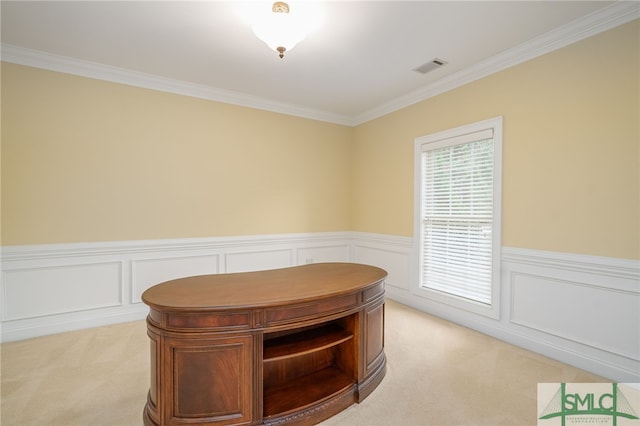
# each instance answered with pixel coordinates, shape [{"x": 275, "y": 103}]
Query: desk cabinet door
[
  {"x": 211, "y": 380},
  {"x": 374, "y": 338}
]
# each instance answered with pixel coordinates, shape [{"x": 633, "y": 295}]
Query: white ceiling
[{"x": 356, "y": 67}]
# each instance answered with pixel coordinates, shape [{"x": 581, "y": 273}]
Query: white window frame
[{"x": 443, "y": 139}]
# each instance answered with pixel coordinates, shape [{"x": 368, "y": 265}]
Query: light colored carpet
[{"x": 438, "y": 373}]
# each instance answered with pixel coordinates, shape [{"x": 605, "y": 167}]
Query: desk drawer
[
  {"x": 218, "y": 321},
  {"x": 310, "y": 310}
]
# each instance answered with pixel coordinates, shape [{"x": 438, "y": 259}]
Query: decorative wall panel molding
[
  {"x": 586, "y": 307},
  {"x": 30, "y": 292},
  {"x": 582, "y": 310},
  {"x": 62, "y": 287},
  {"x": 258, "y": 259},
  {"x": 391, "y": 253},
  {"x": 591, "y": 315},
  {"x": 149, "y": 272}
]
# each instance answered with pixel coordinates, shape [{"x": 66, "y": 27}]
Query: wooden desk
[{"x": 292, "y": 345}]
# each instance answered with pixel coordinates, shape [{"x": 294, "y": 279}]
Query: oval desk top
[{"x": 262, "y": 288}]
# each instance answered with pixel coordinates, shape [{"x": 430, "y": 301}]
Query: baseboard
[{"x": 581, "y": 310}]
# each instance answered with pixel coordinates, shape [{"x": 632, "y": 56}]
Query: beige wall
[
  {"x": 85, "y": 160},
  {"x": 571, "y": 159}
]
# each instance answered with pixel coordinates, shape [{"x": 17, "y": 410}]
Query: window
[{"x": 458, "y": 182}]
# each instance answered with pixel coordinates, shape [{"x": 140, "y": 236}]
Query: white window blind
[{"x": 457, "y": 216}]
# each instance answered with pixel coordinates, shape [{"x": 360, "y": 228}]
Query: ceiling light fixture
[{"x": 285, "y": 27}]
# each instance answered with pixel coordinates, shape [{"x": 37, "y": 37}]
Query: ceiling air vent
[{"x": 429, "y": 66}]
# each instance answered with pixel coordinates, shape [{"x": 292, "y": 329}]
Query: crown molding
[
  {"x": 617, "y": 14},
  {"x": 607, "y": 18},
  {"x": 82, "y": 68}
]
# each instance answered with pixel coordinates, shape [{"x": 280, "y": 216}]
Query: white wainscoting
[
  {"x": 389, "y": 252},
  {"x": 48, "y": 289},
  {"x": 582, "y": 310}
]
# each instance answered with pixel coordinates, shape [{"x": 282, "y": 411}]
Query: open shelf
[
  {"x": 298, "y": 344},
  {"x": 309, "y": 365},
  {"x": 304, "y": 391}
]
